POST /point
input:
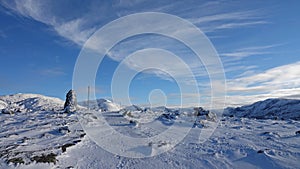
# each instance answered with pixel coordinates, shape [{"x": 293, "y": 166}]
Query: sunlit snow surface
[{"x": 38, "y": 127}]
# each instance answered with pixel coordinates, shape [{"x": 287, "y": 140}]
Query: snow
[
  {"x": 37, "y": 126},
  {"x": 101, "y": 105},
  {"x": 3, "y": 104},
  {"x": 40, "y": 127},
  {"x": 235, "y": 144},
  {"x": 268, "y": 109}
]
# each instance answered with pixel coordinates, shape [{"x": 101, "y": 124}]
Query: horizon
[
  {"x": 256, "y": 42},
  {"x": 169, "y": 106}
]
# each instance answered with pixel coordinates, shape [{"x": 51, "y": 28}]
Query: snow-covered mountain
[
  {"x": 35, "y": 132},
  {"x": 29, "y": 102},
  {"x": 279, "y": 108},
  {"x": 101, "y": 105},
  {"x": 34, "y": 128}
]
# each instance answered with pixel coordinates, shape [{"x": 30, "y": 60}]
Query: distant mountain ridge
[
  {"x": 101, "y": 104},
  {"x": 277, "y": 108},
  {"x": 29, "y": 102}
]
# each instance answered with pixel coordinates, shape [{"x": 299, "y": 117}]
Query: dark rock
[
  {"x": 211, "y": 116},
  {"x": 71, "y": 102},
  {"x": 199, "y": 111},
  {"x": 260, "y": 151},
  {"x": 50, "y": 158},
  {"x": 16, "y": 161},
  {"x": 297, "y": 132},
  {"x": 64, "y": 147},
  {"x": 6, "y": 111}
]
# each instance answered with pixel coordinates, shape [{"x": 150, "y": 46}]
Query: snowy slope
[
  {"x": 38, "y": 131},
  {"x": 3, "y": 105},
  {"x": 35, "y": 129},
  {"x": 268, "y": 109},
  {"x": 101, "y": 105},
  {"x": 237, "y": 143},
  {"x": 30, "y": 102}
]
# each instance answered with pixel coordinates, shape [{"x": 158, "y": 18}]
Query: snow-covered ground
[{"x": 35, "y": 129}]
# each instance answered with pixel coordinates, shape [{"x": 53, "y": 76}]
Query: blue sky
[{"x": 257, "y": 41}]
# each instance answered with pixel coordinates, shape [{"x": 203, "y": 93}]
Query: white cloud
[
  {"x": 73, "y": 31},
  {"x": 238, "y": 25},
  {"x": 250, "y": 51},
  {"x": 79, "y": 27},
  {"x": 276, "y": 82},
  {"x": 225, "y": 17},
  {"x": 243, "y": 54},
  {"x": 282, "y": 81}
]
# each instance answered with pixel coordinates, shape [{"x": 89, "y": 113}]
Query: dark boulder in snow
[
  {"x": 7, "y": 111},
  {"x": 71, "y": 102},
  {"x": 199, "y": 111}
]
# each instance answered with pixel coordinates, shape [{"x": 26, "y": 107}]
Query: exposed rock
[
  {"x": 260, "y": 151},
  {"x": 211, "y": 117},
  {"x": 71, "y": 102},
  {"x": 199, "y": 111},
  {"x": 6, "y": 111}
]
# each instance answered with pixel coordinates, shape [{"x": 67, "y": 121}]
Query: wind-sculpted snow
[
  {"x": 236, "y": 143},
  {"x": 36, "y": 130},
  {"x": 39, "y": 135},
  {"x": 268, "y": 109},
  {"x": 3, "y": 105}
]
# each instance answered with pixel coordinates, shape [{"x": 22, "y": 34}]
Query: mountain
[
  {"x": 36, "y": 133},
  {"x": 278, "y": 108},
  {"x": 34, "y": 128},
  {"x": 29, "y": 102},
  {"x": 101, "y": 105}
]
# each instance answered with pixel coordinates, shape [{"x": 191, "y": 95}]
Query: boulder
[{"x": 71, "y": 102}]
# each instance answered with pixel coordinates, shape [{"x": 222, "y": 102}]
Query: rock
[
  {"x": 71, "y": 102},
  {"x": 260, "y": 151},
  {"x": 211, "y": 117},
  {"x": 199, "y": 111},
  {"x": 6, "y": 111},
  {"x": 297, "y": 132}
]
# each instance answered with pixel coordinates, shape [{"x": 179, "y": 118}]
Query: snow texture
[
  {"x": 38, "y": 134},
  {"x": 283, "y": 109}
]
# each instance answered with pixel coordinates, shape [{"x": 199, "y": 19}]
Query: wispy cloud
[
  {"x": 77, "y": 29},
  {"x": 241, "y": 24},
  {"x": 78, "y": 26},
  {"x": 229, "y": 20},
  {"x": 280, "y": 81},
  {"x": 249, "y": 51}
]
